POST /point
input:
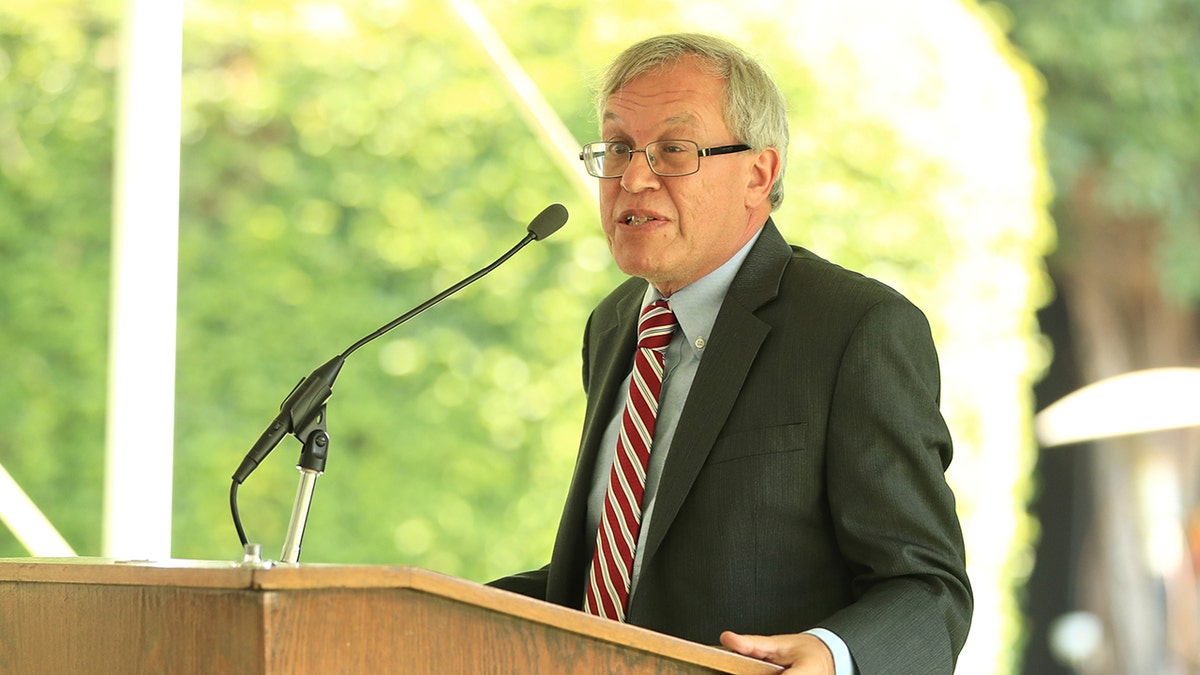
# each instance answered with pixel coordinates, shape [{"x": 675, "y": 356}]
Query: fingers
[
  {"x": 800, "y": 653},
  {"x": 754, "y": 646}
]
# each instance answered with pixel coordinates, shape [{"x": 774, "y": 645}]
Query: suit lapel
[
  {"x": 608, "y": 362},
  {"x": 736, "y": 337}
]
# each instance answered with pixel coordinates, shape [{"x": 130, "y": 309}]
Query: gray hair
[{"x": 754, "y": 107}]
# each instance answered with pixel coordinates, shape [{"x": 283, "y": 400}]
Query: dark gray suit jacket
[{"x": 805, "y": 484}]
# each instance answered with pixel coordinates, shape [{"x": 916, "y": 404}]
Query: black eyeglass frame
[{"x": 700, "y": 152}]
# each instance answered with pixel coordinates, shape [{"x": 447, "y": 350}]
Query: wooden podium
[{"x": 90, "y": 615}]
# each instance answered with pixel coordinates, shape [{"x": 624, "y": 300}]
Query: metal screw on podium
[{"x": 252, "y": 557}]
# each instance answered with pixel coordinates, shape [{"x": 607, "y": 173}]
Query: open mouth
[{"x": 635, "y": 221}]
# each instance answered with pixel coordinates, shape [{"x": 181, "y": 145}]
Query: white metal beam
[
  {"x": 141, "y": 402},
  {"x": 541, "y": 117},
  {"x": 27, "y": 523}
]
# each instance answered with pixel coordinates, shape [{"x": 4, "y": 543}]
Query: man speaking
[{"x": 763, "y": 457}]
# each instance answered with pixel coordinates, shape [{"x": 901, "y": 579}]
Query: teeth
[{"x": 637, "y": 220}]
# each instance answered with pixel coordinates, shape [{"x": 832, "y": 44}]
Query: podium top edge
[
  {"x": 236, "y": 577},
  {"x": 218, "y": 574},
  {"x": 117, "y": 571}
]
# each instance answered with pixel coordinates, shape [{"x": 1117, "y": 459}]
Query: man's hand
[{"x": 799, "y": 653}]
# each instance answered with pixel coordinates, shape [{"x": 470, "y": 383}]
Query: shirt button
[{"x": 699, "y": 343}]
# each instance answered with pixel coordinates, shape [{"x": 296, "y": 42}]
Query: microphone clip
[
  {"x": 311, "y": 466},
  {"x": 316, "y": 443}
]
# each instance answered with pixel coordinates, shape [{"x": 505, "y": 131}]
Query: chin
[{"x": 636, "y": 269}]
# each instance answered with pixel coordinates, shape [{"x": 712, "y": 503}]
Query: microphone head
[{"x": 548, "y": 221}]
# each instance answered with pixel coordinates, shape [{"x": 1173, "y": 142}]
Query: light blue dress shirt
[{"x": 695, "y": 307}]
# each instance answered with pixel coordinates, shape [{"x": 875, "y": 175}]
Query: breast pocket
[{"x": 754, "y": 442}]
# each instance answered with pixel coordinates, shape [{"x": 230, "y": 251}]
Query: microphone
[{"x": 303, "y": 409}]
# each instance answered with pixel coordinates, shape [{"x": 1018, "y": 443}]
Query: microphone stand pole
[{"x": 311, "y": 466}]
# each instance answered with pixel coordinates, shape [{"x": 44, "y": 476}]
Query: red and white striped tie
[{"x": 608, "y": 579}]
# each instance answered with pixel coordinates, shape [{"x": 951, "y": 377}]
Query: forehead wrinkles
[
  {"x": 687, "y": 118},
  {"x": 643, "y": 97},
  {"x": 644, "y": 105},
  {"x": 684, "y": 119}
]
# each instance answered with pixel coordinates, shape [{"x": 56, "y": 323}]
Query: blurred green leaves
[
  {"x": 336, "y": 174},
  {"x": 1122, "y": 82},
  {"x": 56, "y": 112},
  {"x": 342, "y": 162}
]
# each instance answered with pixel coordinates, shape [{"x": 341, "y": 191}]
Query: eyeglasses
[{"x": 666, "y": 158}]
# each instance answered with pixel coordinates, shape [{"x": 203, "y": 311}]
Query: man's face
[{"x": 672, "y": 231}]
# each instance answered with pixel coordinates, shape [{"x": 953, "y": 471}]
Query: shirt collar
[{"x": 696, "y": 305}]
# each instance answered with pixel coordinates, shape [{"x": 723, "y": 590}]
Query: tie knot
[{"x": 656, "y": 326}]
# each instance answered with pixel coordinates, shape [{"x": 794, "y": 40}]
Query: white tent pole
[
  {"x": 545, "y": 123},
  {"x": 27, "y": 523},
  {"x": 141, "y": 397}
]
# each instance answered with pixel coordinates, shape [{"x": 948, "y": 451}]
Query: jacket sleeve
[
  {"x": 531, "y": 583},
  {"x": 893, "y": 512}
]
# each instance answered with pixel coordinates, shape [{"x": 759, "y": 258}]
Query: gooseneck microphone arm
[{"x": 302, "y": 413}]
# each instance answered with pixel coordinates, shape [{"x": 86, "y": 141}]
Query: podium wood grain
[{"x": 88, "y": 615}]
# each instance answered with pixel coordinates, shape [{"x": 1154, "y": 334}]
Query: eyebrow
[{"x": 678, "y": 119}]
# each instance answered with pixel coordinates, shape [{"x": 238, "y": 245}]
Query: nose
[{"x": 639, "y": 176}]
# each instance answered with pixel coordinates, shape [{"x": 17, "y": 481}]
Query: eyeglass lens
[{"x": 666, "y": 158}]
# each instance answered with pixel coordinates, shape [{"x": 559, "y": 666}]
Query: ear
[{"x": 761, "y": 176}]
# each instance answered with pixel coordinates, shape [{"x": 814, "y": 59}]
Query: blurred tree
[
  {"x": 56, "y": 136},
  {"x": 1122, "y": 93},
  {"x": 342, "y": 161}
]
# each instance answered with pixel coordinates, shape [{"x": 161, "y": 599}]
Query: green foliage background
[
  {"x": 342, "y": 162},
  {"x": 341, "y": 178},
  {"x": 333, "y": 175},
  {"x": 1123, "y": 91},
  {"x": 56, "y": 145}
]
